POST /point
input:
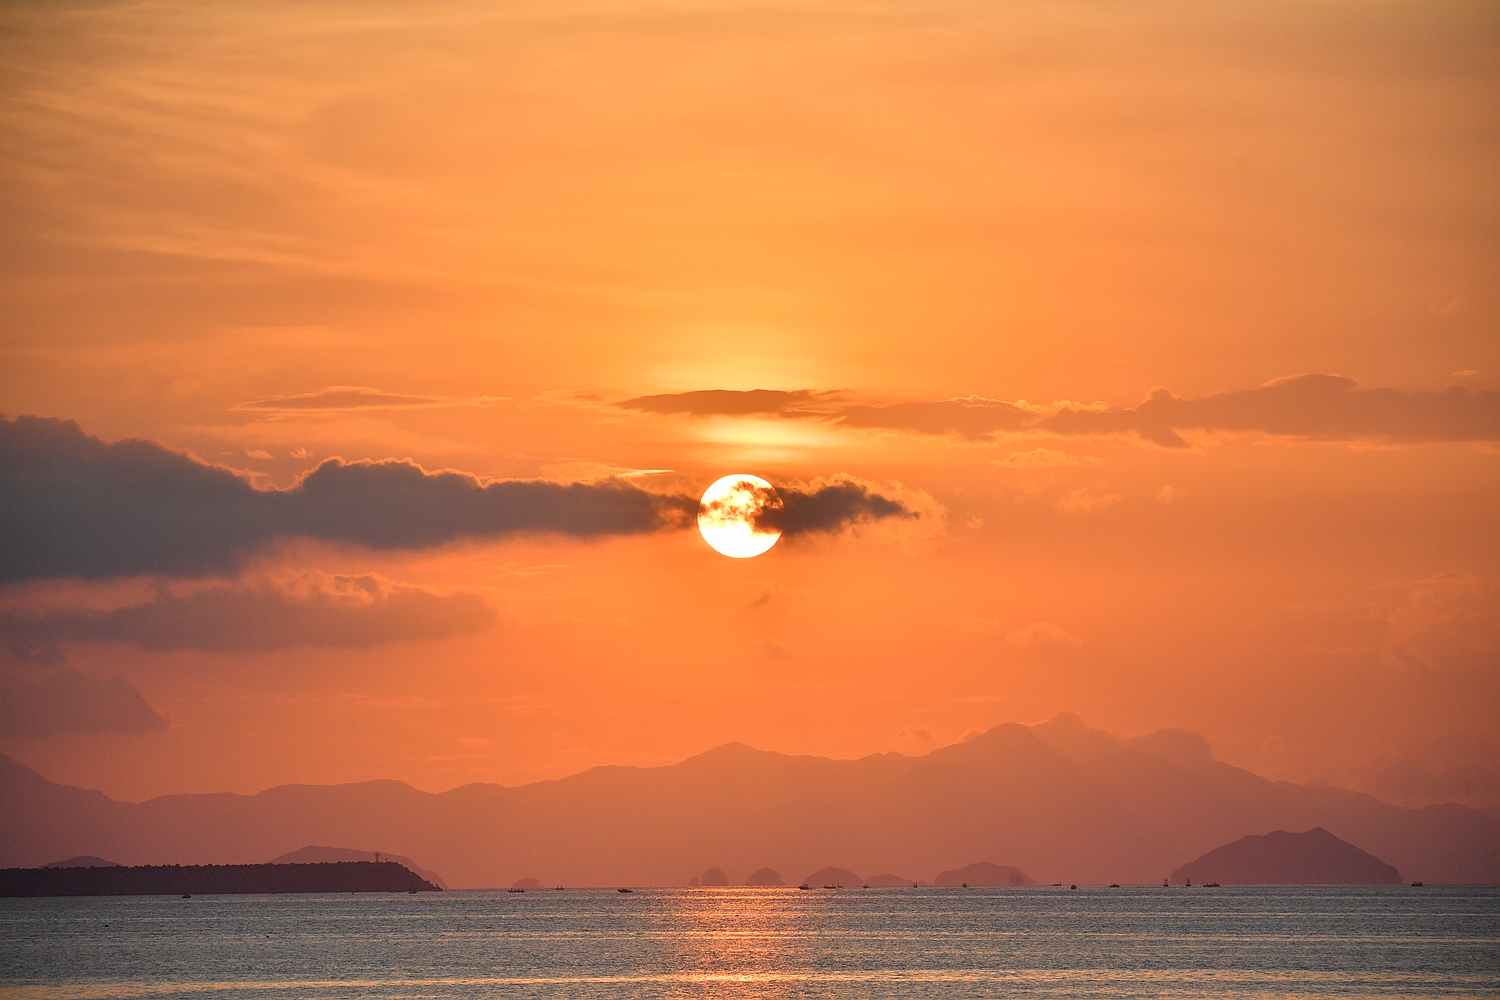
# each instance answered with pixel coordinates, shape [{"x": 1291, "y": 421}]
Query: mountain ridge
[{"x": 1060, "y": 801}]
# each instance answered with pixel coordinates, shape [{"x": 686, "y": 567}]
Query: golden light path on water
[{"x": 727, "y": 514}]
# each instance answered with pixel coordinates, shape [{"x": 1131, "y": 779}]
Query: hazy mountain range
[{"x": 1059, "y": 800}]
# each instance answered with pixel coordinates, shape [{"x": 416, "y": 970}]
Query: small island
[
  {"x": 192, "y": 880},
  {"x": 1315, "y": 857}
]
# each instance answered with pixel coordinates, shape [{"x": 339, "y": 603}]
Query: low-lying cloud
[
  {"x": 352, "y": 612},
  {"x": 63, "y": 700},
  {"x": 1314, "y": 407},
  {"x": 72, "y": 505}
]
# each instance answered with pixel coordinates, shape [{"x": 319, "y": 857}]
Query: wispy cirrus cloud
[
  {"x": 1308, "y": 407},
  {"x": 348, "y": 398},
  {"x": 738, "y": 403},
  {"x": 1316, "y": 407}
]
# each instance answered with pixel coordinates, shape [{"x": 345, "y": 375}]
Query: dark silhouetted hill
[
  {"x": 526, "y": 883},
  {"x": 983, "y": 873},
  {"x": 346, "y": 876},
  {"x": 84, "y": 861},
  {"x": 887, "y": 880},
  {"x": 1316, "y": 857},
  {"x": 765, "y": 878},
  {"x": 832, "y": 876},
  {"x": 1060, "y": 801},
  {"x": 312, "y": 855}
]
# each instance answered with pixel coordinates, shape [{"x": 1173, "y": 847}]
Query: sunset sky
[{"x": 1139, "y": 360}]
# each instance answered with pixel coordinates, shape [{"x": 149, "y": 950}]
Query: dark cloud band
[
  {"x": 830, "y": 507},
  {"x": 355, "y": 613},
  {"x": 72, "y": 505}
]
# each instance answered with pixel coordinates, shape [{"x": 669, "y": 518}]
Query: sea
[{"x": 1136, "y": 941}]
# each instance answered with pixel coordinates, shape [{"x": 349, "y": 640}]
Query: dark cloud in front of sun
[
  {"x": 72, "y": 505},
  {"x": 829, "y": 506}
]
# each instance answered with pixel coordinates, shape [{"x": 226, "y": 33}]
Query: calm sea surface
[{"x": 848, "y": 943}]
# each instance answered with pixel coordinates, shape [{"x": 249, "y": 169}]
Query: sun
[{"x": 727, "y": 512}]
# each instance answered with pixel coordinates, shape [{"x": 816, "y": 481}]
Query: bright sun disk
[{"x": 727, "y": 512}]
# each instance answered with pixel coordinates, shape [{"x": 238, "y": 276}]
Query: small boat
[
  {"x": 1416, "y": 885},
  {"x": 188, "y": 895},
  {"x": 1072, "y": 887},
  {"x": 830, "y": 887},
  {"x": 559, "y": 889},
  {"x": 804, "y": 885},
  {"x": 514, "y": 889},
  {"x": 624, "y": 890},
  {"x": 1211, "y": 885},
  {"x": 1114, "y": 885},
  {"x": 411, "y": 892}
]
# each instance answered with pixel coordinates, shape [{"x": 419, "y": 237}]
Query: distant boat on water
[
  {"x": 1416, "y": 885},
  {"x": 804, "y": 885},
  {"x": 514, "y": 889},
  {"x": 624, "y": 890}
]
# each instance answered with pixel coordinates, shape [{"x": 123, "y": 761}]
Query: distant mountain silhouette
[
  {"x": 84, "y": 861},
  {"x": 892, "y": 880},
  {"x": 1063, "y": 802},
  {"x": 312, "y": 855},
  {"x": 833, "y": 876},
  {"x": 983, "y": 873},
  {"x": 765, "y": 878},
  {"x": 526, "y": 883},
  {"x": 1316, "y": 857}
]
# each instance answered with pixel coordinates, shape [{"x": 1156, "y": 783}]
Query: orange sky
[{"x": 503, "y": 221}]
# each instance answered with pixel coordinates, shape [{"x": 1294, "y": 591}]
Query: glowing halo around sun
[{"x": 727, "y": 512}]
